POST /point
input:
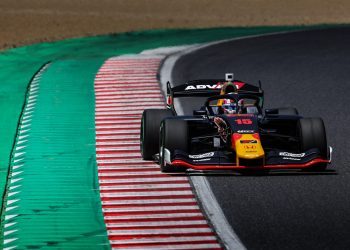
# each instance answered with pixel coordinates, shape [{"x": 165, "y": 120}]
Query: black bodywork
[{"x": 279, "y": 134}]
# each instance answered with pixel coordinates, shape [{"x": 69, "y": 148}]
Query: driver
[
  {"x": 228, "y": 106},
  {"x": 225, "y": 106}
]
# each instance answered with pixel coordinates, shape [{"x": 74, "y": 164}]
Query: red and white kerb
[{"x": 143, "y": 208}]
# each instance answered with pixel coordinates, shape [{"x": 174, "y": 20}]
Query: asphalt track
[{"x": 309, "y": 70}]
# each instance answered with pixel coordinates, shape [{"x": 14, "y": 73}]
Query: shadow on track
[{"x": 261, "y": 174}]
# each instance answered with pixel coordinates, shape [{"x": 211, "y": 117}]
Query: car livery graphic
[{"x": 231, "y": 131}]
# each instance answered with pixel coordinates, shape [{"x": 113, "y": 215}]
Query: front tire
[
  {"x": 313, "y": 135},
  {"x": 173, "y": 135},
  {"x": 149, "y": 136}
]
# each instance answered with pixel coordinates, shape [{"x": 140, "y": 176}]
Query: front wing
[{"x": 218, "y": 160}]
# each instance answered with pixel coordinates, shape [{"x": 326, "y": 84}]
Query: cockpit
[{"x": 233, "y": 104}]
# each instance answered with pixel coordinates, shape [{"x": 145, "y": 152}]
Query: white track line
[
  {"x": 160, "y": 231},
  {"x": 137, "y": 199},
  {"x": 202, "y": 186},
  {"x": 160, "y": 224},
  {"x": 170, "y": 239},
  {"x": 146, "y": 180},
  {"x": 121, "y": 108},
  {"x": 146, "y": 194},
  {"x": 149, "y": 202},
  {"x": 149, "y": 209},
  {"x": 175, "y": 247},
  {"x": 154, "y": 216},
  {"x": 145, "y": 186}
]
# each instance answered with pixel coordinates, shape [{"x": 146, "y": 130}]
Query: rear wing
[{"x": 208, "y": 88}]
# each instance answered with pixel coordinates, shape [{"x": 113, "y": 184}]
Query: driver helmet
[
  {"x": 227, "y": 88},
  {"x": 228, "y": 105}
]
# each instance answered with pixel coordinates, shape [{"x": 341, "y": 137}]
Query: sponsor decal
[
  {"x": 205, "y": 159},
  {"x": 202, "y": 86},
  {"x": 246, "y": 131},
  {"x": 244, "y": 121},
  {"x": 290, "y": 158},
  {"x": 248, "y": 141},
  {"x": 212, "y": 86},
  {"x": 206, "y": 155},
  {"x": 249, "y": 146},
  {"x": 292, "y": 154},
  {"x": 216, "y": 142}
]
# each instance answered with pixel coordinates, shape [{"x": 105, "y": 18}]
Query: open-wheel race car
[{"x": 231, "y": 131}]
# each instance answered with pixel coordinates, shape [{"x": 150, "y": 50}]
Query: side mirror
[{"x": 199, "y": 112}]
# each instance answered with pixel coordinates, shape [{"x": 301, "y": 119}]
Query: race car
[{"x": 231, "y": 131}]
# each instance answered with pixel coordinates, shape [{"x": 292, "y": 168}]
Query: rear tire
[
  {"x": 288, "y": 111},
  {"x": 149, "y": 136},
  {"x": 313, "y": 135},
  {"x": 173, "y": 135}
]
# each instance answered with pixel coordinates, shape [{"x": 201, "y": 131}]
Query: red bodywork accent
[
  {"x": 256, "y": 136},
  {"x": 169, "y": 100},
  {"x": 239, "y": 84},
  {"x": 234, "y": 138},
  {"x": 181, "y": 163}
]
